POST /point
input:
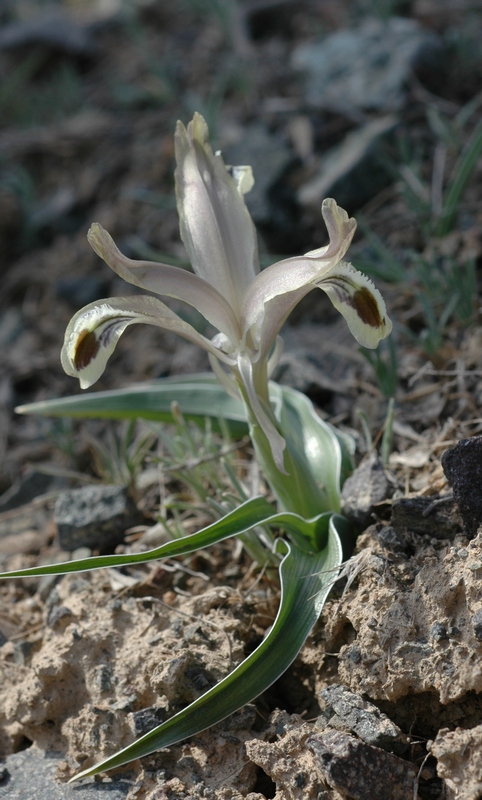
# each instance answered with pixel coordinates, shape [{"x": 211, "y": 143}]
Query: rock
[
  {"x": 367, "y": 486},
  {"x": 426, "y": 516},
  {"x": 59, "y": 615},
  {"x": 353, "y": 714},
  {"x": 94, "y": 516},
  {"x": 438, "y": 632},
  {"x": 369, "y": 67},
  {"x": 462, "y": 466},
  {"x": 30, "y": 775},
  {"x": 395, "y": 649},
  {"x": 148, "y": 718},
  {"x": 477, "y": 624},
  {"x": 30, "y": 541},
  {"x": 392, "y": 540},
  {"x": 459, "y": 757},
  {"x": 360, "y": 771},
  {"x": 355, "y": 171},
  {"x": 308, "y": 765},
  {"x": 56, "y": 30}
]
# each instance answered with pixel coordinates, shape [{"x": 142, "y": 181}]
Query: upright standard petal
[
  {"x": 92, "y": 334},
  {"x": 167, "y": 280},
  {"x": 276, "y": 290},
  {"x": 216, "y": 227}
]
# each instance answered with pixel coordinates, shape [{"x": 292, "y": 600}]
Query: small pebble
[{"x": 477, "y": 624}]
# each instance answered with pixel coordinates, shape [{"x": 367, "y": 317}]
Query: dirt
[{"x": 104, "y": 647}]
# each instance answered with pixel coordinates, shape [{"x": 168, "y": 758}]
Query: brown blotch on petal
[
  {"x": 86, "y": 349},
  {"x": 366, "y": 307}
]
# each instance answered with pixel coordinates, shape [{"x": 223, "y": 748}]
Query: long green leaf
[
  {"x": 242, "y": 519},
  {"x": 306, "y": 579},
  {"x": 199, "y": 396},
  {"x": 308, "y": 535}
]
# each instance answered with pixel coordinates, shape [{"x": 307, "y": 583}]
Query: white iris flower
[{"x": 246, "y": 306}]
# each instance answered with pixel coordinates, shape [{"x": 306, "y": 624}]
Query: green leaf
[
  {"x": 309, "y": 535},
  {"x": 198, "y": 396},
  {"x": 306, "y": 579},
  {"x": 316, "y": 445},
  {"x": 326, "y": 452},
  {"x": 243, "y": 518}
]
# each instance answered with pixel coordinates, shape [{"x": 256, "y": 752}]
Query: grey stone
[
  {"x": 368, "y": 67},
  {"x": 367, "y": 486},
  {"x": 438, "y": 632},
  {"x": 477, "y": 624},
  {"x": 359, "y": 770},
  {"x": 12, "y": 325},
  {"x": 392, "y": 540},
  {"x": 269, "y": 157},
  {"x": 426, "y": 516},
  {"x": 354, "y": 171},
  {"x": 353, "y": 714},
  {"x": 31, "y": 776},
  {"x": 147, "y": 719},
  {"x": 94, "y": 516}
]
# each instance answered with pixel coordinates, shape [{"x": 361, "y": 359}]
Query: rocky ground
[{"x": 377, "y": 105}]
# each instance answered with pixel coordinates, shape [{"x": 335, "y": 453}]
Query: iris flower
[{"x": 246, "y": 306}]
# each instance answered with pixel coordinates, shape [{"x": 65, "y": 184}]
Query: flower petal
[
  {"x": 276, "y": 290},
  {"x": 341, "y": 229},
  {"x": 167, "y": 280},
  {"x": 362, "y": 305},
  {"x": 242, "y": 175},
  {"x": 92, "y": 334},
  {"x": 216, "y": 227}
]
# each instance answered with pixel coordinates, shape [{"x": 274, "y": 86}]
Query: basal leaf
[
  {"x": 246, "y": 516},
  {"x": 198, "y": 396},
  {"x": 309, "y": 535}
]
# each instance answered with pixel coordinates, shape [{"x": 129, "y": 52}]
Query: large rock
[
  {"x": 350, "y": 713},
  {"x": 462, "y": 466},
  {"x": 94, "y": 516},
  {"x": 370, "y": 67}
]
